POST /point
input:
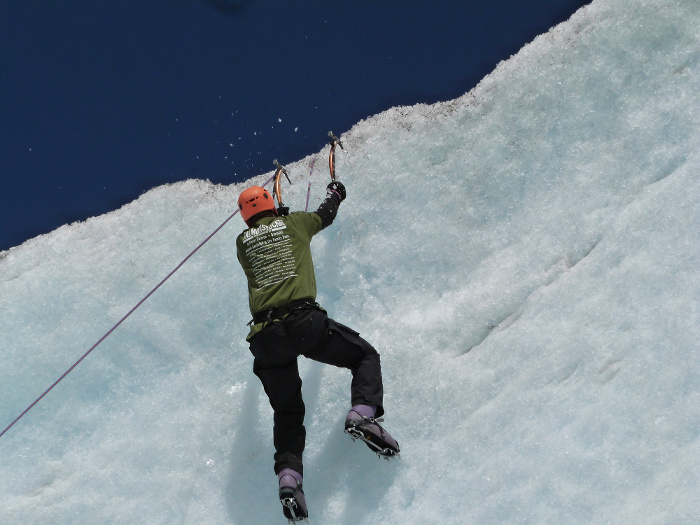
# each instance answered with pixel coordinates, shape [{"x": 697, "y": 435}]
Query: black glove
[
  {"x": 283, "y": 211},
  {"x": 336, "y": 188}
]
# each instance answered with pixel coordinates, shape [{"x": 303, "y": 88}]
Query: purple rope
[
  {"x": 308, "y": 190},
  {"x": 123, "y": 319}
]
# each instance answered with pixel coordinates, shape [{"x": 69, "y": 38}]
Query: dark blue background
[{"x": 101, "y": 100}]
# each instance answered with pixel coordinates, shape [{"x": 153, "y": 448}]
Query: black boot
[
  {"x": 292, "y": 495},
  {"x": 361, "y": 424}
]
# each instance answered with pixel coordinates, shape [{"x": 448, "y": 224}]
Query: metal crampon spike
[
  {"x": 290, "y": 503},
  {"x": 354, "y": 433},
  {"x": 386, "y": 454}
]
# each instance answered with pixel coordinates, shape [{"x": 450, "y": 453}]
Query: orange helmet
[{"x": 254, "y": 200}]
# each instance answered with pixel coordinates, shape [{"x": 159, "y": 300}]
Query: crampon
[
  {"x": 291, "y": 496},
  {"x": 378, "y": 440}
]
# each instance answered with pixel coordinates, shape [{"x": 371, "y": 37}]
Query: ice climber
[{"x": 275, "y": 254}]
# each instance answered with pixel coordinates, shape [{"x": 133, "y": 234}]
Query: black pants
[{"x": 312, "y": 334}]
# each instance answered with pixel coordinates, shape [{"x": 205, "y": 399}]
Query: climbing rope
[
  {"x": 308, "y": 190},
  {"x": 124, "y": 318}
]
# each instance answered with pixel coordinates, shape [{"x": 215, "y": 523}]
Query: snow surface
[{"x": 526, "y": 259}]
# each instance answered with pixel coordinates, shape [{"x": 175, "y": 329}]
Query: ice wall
[{"x": 525, "y": 258}]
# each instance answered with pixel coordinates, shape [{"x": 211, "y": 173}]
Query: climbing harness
[{"x": 281, "y": 311}]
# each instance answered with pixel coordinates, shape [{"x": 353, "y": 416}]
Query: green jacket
[{"x": 276, "y": 257}]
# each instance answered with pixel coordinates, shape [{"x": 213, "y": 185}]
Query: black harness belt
[{"x": 281, "y": 311}]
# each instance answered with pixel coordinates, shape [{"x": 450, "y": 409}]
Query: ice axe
[
  {"x": 277, "y": 191},
  {"x": 334, "y": 141}
]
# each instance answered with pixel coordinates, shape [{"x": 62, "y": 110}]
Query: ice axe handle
[
  {"x": 277, "y": 191},
  {"x": 331, "y": 156}
]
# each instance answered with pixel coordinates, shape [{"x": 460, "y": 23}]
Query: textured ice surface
[{"x": 526, "y": 258}]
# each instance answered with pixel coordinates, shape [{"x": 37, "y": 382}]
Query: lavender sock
[
  {"x": 365, "y": 410},
  {"x": 289, "y": 472}
]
